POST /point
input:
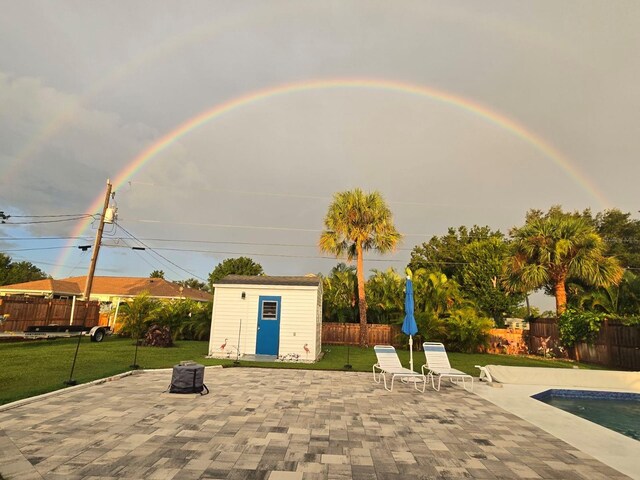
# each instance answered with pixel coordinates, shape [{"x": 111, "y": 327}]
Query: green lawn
[{"x": 36, "y": 367}]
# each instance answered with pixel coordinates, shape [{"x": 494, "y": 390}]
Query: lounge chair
[
  {"x": 438, "y": 365},
  {"x": 389, "y": 363}
]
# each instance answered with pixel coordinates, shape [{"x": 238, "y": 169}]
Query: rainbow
[{"x": 472, "y": 107}]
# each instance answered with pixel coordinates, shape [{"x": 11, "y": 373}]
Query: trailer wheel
[{"x": 98, "y": 335}]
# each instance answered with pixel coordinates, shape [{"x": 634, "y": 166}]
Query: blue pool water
[{"x": 614, "y": 410}]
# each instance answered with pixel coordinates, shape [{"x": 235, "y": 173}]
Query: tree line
[
  {"x": 465, "y": 280},
  {"x": 471, "y": 274}
]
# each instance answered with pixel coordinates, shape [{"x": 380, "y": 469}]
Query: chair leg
[
  {"x": 377, "y": 380},
  {"x": 465, "y": 385},
  {"x": 393, "y": 377}
]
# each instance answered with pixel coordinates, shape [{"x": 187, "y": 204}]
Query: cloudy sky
[{"x": 459, "y": 113}]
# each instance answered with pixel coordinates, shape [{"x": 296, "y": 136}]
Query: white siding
[{"x": 299, "y": 319}]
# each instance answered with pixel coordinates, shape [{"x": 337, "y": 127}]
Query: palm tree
[
  {"x": 357, "y": 221},
  {"x": 551, "y": 249}
]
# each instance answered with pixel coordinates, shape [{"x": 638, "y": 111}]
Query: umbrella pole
[{"x": 411, "y": 352}]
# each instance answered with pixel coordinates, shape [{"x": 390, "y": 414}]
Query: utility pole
[
  {"x": 96, "y": 244},
  {"x": 87, "y": 287}
]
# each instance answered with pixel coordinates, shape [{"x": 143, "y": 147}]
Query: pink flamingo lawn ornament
[
  {"x": 306, "y": 349},
  {"x": 222, "y": 347}
]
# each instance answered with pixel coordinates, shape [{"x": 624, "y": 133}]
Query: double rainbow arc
[{"x": 427, "y": 92}]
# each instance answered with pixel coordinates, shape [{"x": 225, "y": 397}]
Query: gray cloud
[{"x": 117, "y": 79}]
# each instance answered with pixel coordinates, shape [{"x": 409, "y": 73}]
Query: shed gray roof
[{"x": 266, "y": 280}]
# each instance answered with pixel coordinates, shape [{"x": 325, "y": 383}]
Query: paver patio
[{"x": 278, "y": 424}]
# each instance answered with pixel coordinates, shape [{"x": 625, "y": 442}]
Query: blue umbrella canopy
[{"x": 409, "y": 326}]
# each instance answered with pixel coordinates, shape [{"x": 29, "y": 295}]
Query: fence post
[{"x": 47, "y": 319}]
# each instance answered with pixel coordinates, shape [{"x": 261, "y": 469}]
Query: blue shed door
[{"x": 268, "y": 336}]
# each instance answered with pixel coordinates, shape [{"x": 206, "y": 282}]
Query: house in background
[
  {"x": 267, "y": 316},
  {"x": 109, "y": 291}
]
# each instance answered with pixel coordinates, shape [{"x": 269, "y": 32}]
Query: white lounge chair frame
[
  {"x": 438, "y": 366},
  {"x": 484, "y": 374},
  {"x": 389, "y": 363}
]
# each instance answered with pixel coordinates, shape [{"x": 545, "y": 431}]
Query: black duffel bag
[{"x": 188, "y": 377}]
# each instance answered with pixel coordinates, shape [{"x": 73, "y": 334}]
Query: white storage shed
[{"x": 256, "y": 316}]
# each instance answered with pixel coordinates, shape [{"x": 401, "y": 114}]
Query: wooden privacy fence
[
  {"x": 21, "y": 312},
  {"x": 617, "y": 345},
  {"x": 349, "y": 334}
]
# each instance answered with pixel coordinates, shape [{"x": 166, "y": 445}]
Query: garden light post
[{"x": 135, "y": 365}]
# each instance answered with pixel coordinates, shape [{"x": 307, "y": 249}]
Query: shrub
[
  {"x": 197, "y": 325},
  {"x": 431, "y": 328},
  {"x": 466, "y": 331},
  {"x": 137, "y": 313},
  {"x": 577, "y": 326}
]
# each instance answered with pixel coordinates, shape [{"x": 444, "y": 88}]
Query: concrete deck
[{"x": 278, "y": 425}]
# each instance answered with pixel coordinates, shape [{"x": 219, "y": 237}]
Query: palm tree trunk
[
  {"x": 561, "y": 296},
  {"x": 362, "y": 302}
]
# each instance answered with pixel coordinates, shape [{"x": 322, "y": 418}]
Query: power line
[
  {"x": 249, "y": 227},
  {"x": 626, "y": 240},
  {"x": 48, "y": 221},
  {"x": 258, "y": 254},
  {"x": 161, "y": 256},
  {"x": 143, "y": 257},
  {"x": 53, "y": 216},
  {"x": 304, "y": 196},
  {"x": 45, "y": 238},
  {"x": 223, "y": 225},
  {"x": 38, "y": 248}
]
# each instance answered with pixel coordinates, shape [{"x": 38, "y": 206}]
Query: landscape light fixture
[{"x": 84, "y": 248}]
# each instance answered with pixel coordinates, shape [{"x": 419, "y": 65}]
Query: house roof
[
  {"x": 49, "y": 285},
  {"x": 115, "y": 286},
  {"x": 311, "y": 281}
]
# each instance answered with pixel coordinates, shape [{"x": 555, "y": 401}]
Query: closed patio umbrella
[{"x": 409, "y": 326}]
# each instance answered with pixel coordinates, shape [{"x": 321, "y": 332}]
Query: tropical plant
[
  {"x": 157, "y": 274},
  {"x": 622, "y": 299},
  {"x": 137, "y": 313},
  {"x": 553, "y": 248},
  {"x": 466, "y": 331},
  {"x": 430, "y": 327},
  {"x": 434, "y": 297},
  {"x": 385, "y": 296},
  {"x": 197, "y": 324},
  {"x": 576, "y": 326},
  {"x": 434, "y": 293},
  {"x": 175, "y": 313},
  {"x": 340, "y": 294},
  {"x": 235, "y": 266},
  {"x": 356, "y": 222}
]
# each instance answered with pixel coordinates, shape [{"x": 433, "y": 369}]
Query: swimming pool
[{"x": 614, "y": 410}]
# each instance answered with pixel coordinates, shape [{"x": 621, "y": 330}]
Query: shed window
[{"x": 269, "y": 310}]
